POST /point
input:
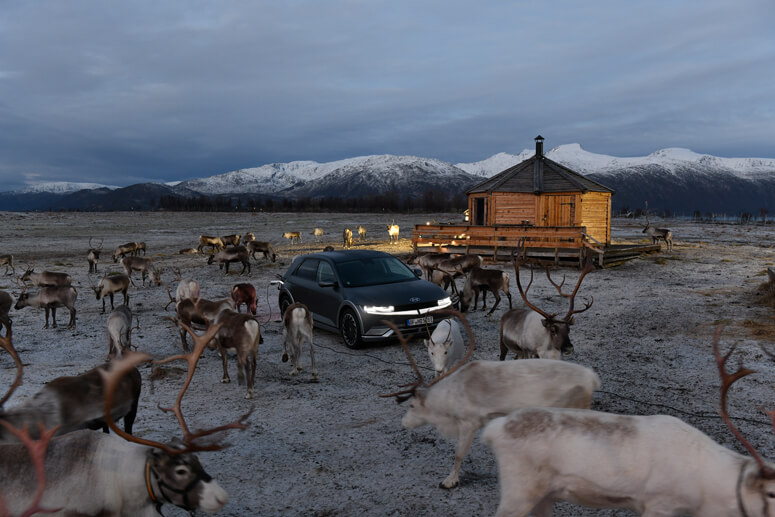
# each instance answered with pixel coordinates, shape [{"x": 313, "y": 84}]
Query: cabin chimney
[{"x": 539, "y": 146}]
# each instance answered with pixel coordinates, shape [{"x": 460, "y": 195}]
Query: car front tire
[{"x": 350, "y": 329}]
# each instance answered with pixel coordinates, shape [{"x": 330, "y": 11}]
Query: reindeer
[
  {"x": 393, "y": 230},
  {"x": 119, "y": 331},
  {"x": 261, "y": 247},
  {"x": 483, "y": 280},
  {"x": 445, "y": 346},
  {"x": 533, "y": 332},
  {"x": 188, "y": 251},
  {"x": 51, "y": 298},
  {"x": 232, "y": 239},
  {"x": 7, "y": 260},
  {"x": 244, "y": 293},
  {"x": 297, "y": 327},
  {"x": 46, "y": 278},
  {"x": 318, "y": 234},
  {"x": 140, "y": 246},
  {"x": 138, "y": 478},
  {"x": 293, "y": 236},
  {"x": 130, "y": 248},
  {"x": 361, "y": 233},
  {"x": 144, "y": 266},
  {"x": 93, "y": 256},
  {"x": 241, "y": 334},
  {"x": 6, "y": 302},
  {"x": 248, "y": 237},
  {"x": 658, "y": 234},
  {"x": 467, "y": 396},
  {"x": 213, "y": 242},
  {"x": 428, "y": 261},
  {"x": 655, "y": 465},
  {"x": 199, "y": 311},
  {"x": 229, "y": 255},
  {"x": 110, "y": 285},
  {"x": 347, "y": 238}
]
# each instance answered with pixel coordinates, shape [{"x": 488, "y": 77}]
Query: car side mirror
[{"x": 417, "y": 273}]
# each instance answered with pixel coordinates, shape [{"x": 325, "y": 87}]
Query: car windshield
[{"x": 373, "y": 271}]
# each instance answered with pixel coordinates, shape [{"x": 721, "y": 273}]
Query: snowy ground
[{"x": 335, "y": 447}]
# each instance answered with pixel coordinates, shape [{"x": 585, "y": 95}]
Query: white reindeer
[
  {"x": 445, "y": 347},
  {"x": 655, "y": 465},
  {"x": 393, "y": 230},
  {"x": 297, "y": 327}
]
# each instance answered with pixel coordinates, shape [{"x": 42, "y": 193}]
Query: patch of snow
[{"x": 61, "y": 187}]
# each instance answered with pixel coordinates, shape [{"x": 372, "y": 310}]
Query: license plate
[{"x": 419, "y": 321}]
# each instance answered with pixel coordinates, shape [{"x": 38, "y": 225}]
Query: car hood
[{"x": 397, "y": 294}]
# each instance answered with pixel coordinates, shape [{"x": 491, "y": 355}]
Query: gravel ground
[{"x": 335, "y": 447}]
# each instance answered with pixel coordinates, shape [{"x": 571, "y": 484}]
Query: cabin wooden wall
[
  {"x": 513, "y": 208},
  {"x": 596, "y": 215}
]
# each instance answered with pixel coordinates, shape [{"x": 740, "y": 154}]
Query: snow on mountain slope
[{"x": 61, "y": 187}]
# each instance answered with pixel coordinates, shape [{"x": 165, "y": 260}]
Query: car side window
[
  {"x": 308, "y": 269},
  {"x": 325, "y": 273}
]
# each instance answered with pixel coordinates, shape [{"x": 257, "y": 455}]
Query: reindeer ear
[
  {"x": 427, "y": 342},
  {"x": 546, "y": 322}
]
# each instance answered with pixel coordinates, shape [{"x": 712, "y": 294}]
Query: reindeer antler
[
  {"x": 557, "y": 286},
  {"x": 120, "y": 367},
  {"x": 406, "y": 394},
  {"x": 7, "y": 345},
  {"x": 727, "y": 379},
  {"x": 587, "y": 268},
  {"x": 523, "y": 292}
]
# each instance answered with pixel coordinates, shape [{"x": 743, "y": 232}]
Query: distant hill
[{"x": 675, "y": 180}]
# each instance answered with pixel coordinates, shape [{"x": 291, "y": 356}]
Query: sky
[{"x": 127, "y": 92}]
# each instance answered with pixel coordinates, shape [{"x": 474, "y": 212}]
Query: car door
[{"x": 329, "y": 295}]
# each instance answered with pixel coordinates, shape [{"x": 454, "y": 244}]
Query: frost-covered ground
[{"x": 335, "y": 447}]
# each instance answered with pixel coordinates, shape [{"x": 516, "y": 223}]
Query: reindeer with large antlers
[
  {"x": 659, "y": 234},
  {"x": 466, "y": 397},
  {"x": 655, "y": 465},
  {"x": 97, "y": 474},
  {"x": 94, "y": 255},
  {"x": 534, "y": 332}
]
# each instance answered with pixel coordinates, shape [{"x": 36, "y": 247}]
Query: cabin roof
[{"x": 536, "y": 175}]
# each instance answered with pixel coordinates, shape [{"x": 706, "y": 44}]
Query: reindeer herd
[{"x": 534, "y": 411}]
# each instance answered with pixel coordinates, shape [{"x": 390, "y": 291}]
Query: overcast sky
[{"x": 126, "y": 92}]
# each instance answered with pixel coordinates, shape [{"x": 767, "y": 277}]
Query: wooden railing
[{"x": 505, "y": 236}]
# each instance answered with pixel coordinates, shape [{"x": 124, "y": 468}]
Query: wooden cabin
[{"x": 540, "y": 192}]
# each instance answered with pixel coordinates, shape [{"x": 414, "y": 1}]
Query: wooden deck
[{"x": 544, "y": 244}]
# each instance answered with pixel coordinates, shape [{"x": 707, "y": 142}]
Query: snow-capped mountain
[{"x": 61, "y": 187}]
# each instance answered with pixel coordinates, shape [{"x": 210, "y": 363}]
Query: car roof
[{"x": 346, "y": 255}]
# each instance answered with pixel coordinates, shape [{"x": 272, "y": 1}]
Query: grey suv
[{"x": 353, "y": 291}]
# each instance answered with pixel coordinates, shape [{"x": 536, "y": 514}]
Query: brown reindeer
[
  {"x": 110, "y": 285},
  {"x": 49, "y": 298},
  {"x": 261, "y": 247},
  {"x": 46, "y": 278},
  {"x": 213, "y": 242},
  {"x": 93, "y": 256},
  {"x": 130, "y": 248},
  {"x": 480, "y": 281},
  {"x": 228, "y": 255},
  {"x": 240, "y": 333},
  {"x": 347, "y": 238},
  {"x": 198, "y": 311}
]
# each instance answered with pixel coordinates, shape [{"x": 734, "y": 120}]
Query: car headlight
[
  {"x": 378, "y": 309},
  {"x": 445, "y": 302}
]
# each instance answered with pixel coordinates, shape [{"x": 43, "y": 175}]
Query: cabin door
[
  {"x": 559, "y": 210},
  {"x": 480, "y": 211}
]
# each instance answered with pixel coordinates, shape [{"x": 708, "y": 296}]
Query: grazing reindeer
[
  {"x": 51, "y": 298},
  {"x": 7, "y": 260},
  {"x": 533, "y": 332},
  {"x": 199, "y": 311},
  {"x": 659, "y": 234},
  {"x": 6, "y": 302},
  {"x": 393, "y": 230},
  {"x": 318, "y": 234},
  {"x": 110, "y": 285},
  {"x": 232, "y": 240},
  {"x": 94, "y": 255},
  {"x": 459, "y": 402},
  {"x": 293, "y": 236},
  {"x": 483, "y": 280},
  {"x": 228, "y": 255},
  {"x": 188, "y": 251},
  {"x": 261, "y": 247},
  {"x": 144, "y": 266},
  {"x": 46, "y": 278},
  {"x": 428, "y": 261},
  {"x": 445, "y": 347},
  {"x": 119, "y": 331},
  {"x": 213, "y": 242},
  {"x": 91, "y": 473},
  {"x": 244, "y": 293},
  {"x": 140, "y": 246},
  {"x": 655, "y": 465},
  {"x": 130, "y": 248},
  {"x": 248, "y": 237},
  {"x": 297, "y": 327},
  {"x": 241, "y": 334},
  {"x": 347, "y": 238},
  {"x": 361, "y": 233}
]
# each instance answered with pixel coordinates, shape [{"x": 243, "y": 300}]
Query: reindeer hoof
[
  {"x": 225, "y": 380},
  {"x": 294, "y": 372},
  {"x": 285, "y": 358},
  {"x": 315, "y": 377},
  {"x": 249, "y": 395},
  {"x": 448, "y": 485}
]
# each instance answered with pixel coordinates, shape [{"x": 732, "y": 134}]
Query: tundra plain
[{"x": 335, "y": 447}]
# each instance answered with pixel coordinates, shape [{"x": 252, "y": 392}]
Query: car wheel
[
  {"x": 350, "y": 329},
  {"x": 285, "y": 302}
]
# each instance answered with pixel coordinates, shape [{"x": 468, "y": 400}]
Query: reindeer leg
[
  {"x": 251, "y": 375},
  {"x": 71, "y": 324},
  {"x": 112, "y": 307},
  {"x": 46, "y": 325},
  {"x": 103, "y": 305},
  {"x": 466, "y": 434},
  {"x": 312, "y": 359},
  {"x": 497, "y": 301},
  {"x": 508, "y": 295},
  {"x": 223, "y": 353}
]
